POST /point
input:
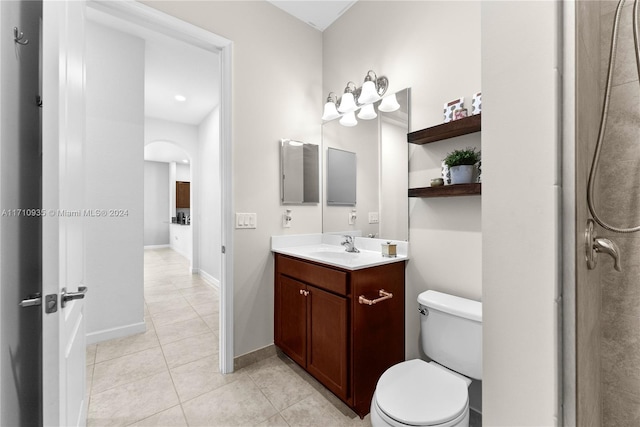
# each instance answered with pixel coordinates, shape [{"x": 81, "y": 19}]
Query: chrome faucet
[
  {"x": 349, "y": 244},
  {"x": 595, "y": 245},
  {"x": 601, "y": 245}
]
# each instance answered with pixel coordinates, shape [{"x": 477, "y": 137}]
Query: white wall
[
  {"x": 183, "y": 135},
  {"x": 277, "y": 93},
  {"x": 209, "y": 213},
  {"x": 183, "y": 172},
  {"x": 521, "y": 75},
  {"x": 115, "y": 176},
  {"x": 156, "y": 203}
]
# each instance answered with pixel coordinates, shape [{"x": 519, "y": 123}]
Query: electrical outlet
[
  {"x": 286, "y": 221},
  {"x": 352, "y": 218}
]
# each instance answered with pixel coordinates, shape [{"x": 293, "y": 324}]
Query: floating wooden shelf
[
  {"x": 447, "y": 190},
  {"x": 458, "y": 127}
]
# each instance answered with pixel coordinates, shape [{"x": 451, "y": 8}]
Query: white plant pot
[{"x": 462, "y": 174}]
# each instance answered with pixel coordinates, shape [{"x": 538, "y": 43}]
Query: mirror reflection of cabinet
[{"x": 183, "y": 194}]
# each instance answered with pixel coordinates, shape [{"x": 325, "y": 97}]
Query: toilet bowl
[{"x": 417, "y": 393}]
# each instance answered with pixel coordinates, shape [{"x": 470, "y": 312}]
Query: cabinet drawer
[{"x": 316, "y": 275}]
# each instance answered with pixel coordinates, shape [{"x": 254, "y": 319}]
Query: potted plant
[{"x": 461, "y": 164}]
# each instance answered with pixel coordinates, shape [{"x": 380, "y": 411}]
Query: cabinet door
[
  {"x": 377, "y": 330},
  {"x": 183, "y": 194},
  {"x": 291, "y": 318},
  {"x": 327, "y": 340}
]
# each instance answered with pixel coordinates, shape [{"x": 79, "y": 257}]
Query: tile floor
[{"x": 168, "y": 376}]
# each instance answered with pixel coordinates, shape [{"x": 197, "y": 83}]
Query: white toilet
[{"x": 417, "y": 393}]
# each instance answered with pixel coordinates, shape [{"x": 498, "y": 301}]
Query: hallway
[{"x": 169, "y": 376}]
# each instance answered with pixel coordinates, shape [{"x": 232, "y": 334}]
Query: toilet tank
[{"x": 451, "y": 332}]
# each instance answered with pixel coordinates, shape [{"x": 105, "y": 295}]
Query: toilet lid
[{"x": 417, "y": 393}]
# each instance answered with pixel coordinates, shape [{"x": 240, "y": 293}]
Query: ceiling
[{"x": 319, "y": 14}]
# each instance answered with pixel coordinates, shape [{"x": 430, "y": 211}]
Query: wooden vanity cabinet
[{"x": 321, "y": 325}]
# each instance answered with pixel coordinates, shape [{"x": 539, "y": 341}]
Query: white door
[{"x": 64, "y": 342}]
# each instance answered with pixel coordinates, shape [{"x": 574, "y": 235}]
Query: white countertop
[{"x": 326, "y": 249}]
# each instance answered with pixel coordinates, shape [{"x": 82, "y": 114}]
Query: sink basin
[
  {"x": 343, "y": 256},
  {"x": 337, "y": 256}
]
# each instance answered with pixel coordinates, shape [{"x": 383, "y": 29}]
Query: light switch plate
[
  {"x": 246, "y": 220},
  {"x": 373, "y": 218}
]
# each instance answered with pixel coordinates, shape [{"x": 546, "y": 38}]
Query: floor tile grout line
[
  {"x": 130, "y": 381},
  {"x": 166, "y": 368},
  {"x": 169, "y": 369}
]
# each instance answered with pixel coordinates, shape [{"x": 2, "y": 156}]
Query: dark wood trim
[
  {"x": 447, "y": 190},
  {"x": 451, "y": 129}
]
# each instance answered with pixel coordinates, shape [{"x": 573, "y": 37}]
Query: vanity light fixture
[
  {"x": 349, "y": 119},
  {"x": 369, "y": 92},
  {"x": 348, "y": 102},
  {"x": 362, "y": 98},
  {"x": 367, "y": 112},
  {"x": 330, "y": 111},
  {"x": 389, "y": 104}
]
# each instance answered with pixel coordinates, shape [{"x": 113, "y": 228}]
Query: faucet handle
[
  {"x": 602, "y": 245},
  {"x": 595, "y": 245}
]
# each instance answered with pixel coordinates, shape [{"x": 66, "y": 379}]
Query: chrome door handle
[
  {"x": 68, "y": 296},
  {"x": 31, "y": 300}
]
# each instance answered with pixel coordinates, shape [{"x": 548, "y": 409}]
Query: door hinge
[{"x": 224, "y": 250}]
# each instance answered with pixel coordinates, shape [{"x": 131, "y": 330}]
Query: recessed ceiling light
[
  {"x": 180, "y": 98},
  {"x": 185, "y": 161}
]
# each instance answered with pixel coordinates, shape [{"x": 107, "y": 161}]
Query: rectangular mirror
[
  {"x": 299, "y": 170},
  {"x": 380, "y": 145},
  {"x": 341, "y": 177}
]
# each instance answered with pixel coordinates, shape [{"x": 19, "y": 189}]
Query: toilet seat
[{"x": 419, "y": 394}]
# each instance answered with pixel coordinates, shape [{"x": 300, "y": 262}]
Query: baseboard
[
  {"x": 121, "y": 332},
  {"x": 253, "y": 357},
  {"x": 157, "y": 246},
  {"x": 212, "y": 281}
]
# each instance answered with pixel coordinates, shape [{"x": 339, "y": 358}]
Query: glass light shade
[
  {"x": 368, "y": 93},
  {"x": 389, "y": 104},
  {"x": 348, "y": 103},
  {"x": 330, "y": 111},
  {"x": 367, "y": 112},
  {"x": 349, "y": 119}
]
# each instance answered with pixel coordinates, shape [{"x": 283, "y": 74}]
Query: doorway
[{"x": 142, "y": 18}]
